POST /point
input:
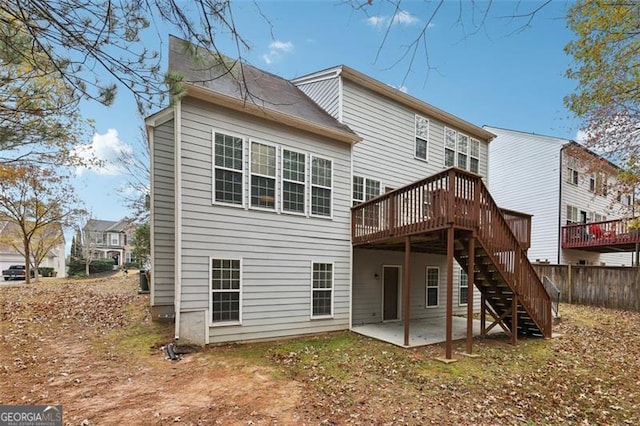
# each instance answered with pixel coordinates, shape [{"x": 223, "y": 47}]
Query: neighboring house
[
  {"x": 109, "y": 239},
  {"x": 253, "y": 232},
  {"x": 10, "y": 256},
  {"x": 551, "y": 179}
]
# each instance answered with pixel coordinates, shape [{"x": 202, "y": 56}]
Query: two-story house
[
  {"x": 333, "y": 201},
  {"x": 108, "y": 239},
  {"x": 580, "y": 212}
]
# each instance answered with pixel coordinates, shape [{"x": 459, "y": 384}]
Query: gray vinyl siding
[
  {"x": 368, "y": 285},
  {"x": 326, "y": 93},
  {"x": 276, "y": 249},
  {"x": 523, "y": 173},
  {"x": 387, "y": 150},
  {"x": 163, "y": 211}
]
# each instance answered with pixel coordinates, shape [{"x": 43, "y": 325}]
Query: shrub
[
  {"x": 77, "y": 267},
  {"x": 45, "y": 271}
]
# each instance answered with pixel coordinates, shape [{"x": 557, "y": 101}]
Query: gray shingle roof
[{"x": 245, "y": 82}]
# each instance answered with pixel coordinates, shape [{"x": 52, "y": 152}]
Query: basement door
[{"x": 390, "y": 293}]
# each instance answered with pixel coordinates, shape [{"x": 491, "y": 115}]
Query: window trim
[
  {"x": 211, "y": 291},
  {"x": 446, "y": 148},
  {"x": 573, "y": 176},
  {"x": 111, "y": 239},
  {"x": 364, "y": 188},
  {"x": 462, "y": 273},
  {"x": 333, "y": 287},
  {"x": 416, "y": 137},
  {"x": 275, "y": 177},
  {"x": 471, "y": 156},
  {"x": 427, "y": 287},
  {"x": 243, "y": 204},
  {"x": 311, "y": 185},
  {"x": 305, "y": 183}
]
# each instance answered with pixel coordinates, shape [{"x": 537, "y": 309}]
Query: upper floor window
[
  {"x": 474, "y": 156},
  {"x": 421, "y": 138},
  {"x": 229, "y": 170},
  {"x": 572, "y": 176},
  {"x": 599, "y": 184},
  {"x": 572, "y": 214},
  {"x": 263, "y": 175},
  {"x": 364, "y": 189},
  {"x": 293, "y": 181},
  {"x": 114, "y": 240},
  {"x": 461, "y": 150},
  {"x": 321, "y": 186}
]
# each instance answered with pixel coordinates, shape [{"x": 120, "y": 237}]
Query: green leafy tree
[
  {"x": 33, "y": 199},
  {"x": 606, "y": 54},
  {"x": 141, "y": 243}
]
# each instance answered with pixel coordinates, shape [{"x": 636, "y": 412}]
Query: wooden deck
[
  {"x": 453, "y": 213},
  {"x": 603, "y": 237}
]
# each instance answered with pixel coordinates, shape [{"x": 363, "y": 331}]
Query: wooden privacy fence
[{"x": 603, "y": 286}]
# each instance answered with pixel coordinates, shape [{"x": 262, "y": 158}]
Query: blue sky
[{"x": 501, "y": 74}]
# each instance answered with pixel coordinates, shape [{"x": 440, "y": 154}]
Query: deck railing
[
  {"x": 457, "y": 198},
  {"x": 605, "y": 233}
]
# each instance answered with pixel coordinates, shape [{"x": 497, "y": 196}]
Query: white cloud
[
  {"x": 107, "y": 150},
  {"x": 402, "y": 17},
  {"x": 277, "y": 49}
]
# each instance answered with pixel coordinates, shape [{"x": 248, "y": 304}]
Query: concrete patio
[{"x": 422, "y": 331}]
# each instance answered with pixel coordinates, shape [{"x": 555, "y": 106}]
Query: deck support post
[
  {"x": 483, "y": 315},
  {"x": 406, "y": 289},
  {"x": 449, "y": 345},
  {"x": 470, "y": 287},
  {"x": 514, "y": 319}
]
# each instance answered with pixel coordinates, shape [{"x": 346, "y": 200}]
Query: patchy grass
[{"x": 90, "y": 345}]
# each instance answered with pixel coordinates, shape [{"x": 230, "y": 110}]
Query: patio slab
[{"x": 423, "y": 332}]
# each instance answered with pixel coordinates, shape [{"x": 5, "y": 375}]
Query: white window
[
  {"x": 474, "y": 156},
  {"x": 463, "y": 288},
  {"x": 114, "y": 240},
  {"x": 596, "y": 217},
  {"x": 592, "y": 184},
  {"x": 229, "y": 171},
  {"x": 572, "y": 214},
  {"x": 226, "y": 280},
  {"x": 433, "y": 284},
  {"x": 321, "y": 186},
  {"x": 322, "y": 290},
  {"x": 572, "y": 176},
  {"x": 463, "y": 151},
  {"x": 365, "y": 189},
  {"x": 293, "y": 181},
  {"x": 421, "y": 138},
  {"x": 449, "y": 147},
  {"x": 263, "y": 175}
]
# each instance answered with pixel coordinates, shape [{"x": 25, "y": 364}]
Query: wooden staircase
[{"x": 511, "y": 290}]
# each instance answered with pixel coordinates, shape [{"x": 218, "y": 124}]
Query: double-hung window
[
  {"x": 463, "y": 288},
  {"x": 228, "y": 169},
  {"x": 449, "y": 147},
  {"x": 474, "y": 156},
  {"x": 572, "y": 214},
  {"x": 364, "y": 189},
  {"x": 433, "y": 280},
  {"x": 114, "y": 239},
  {"x": 293, "y": 181},
  {"x": 463, "y": 151},
  {"x": 322, "y": 290},
  {"x": 321, "y": 186},
  {"x": 421, "y": 138},
  {"x": 572, "y": 176},
  {"x": 225, "y": 290},
  {"x": 263, "y": 175}
]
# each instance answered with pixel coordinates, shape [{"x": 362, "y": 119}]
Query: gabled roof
[
  {"x": 97, "y": 225},
  {"x": 8, "y": 228},
  {"x": 390, "y": 92},
  {"x": 237, "y": 85}
]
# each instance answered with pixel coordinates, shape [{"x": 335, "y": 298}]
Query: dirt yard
[{"x": 90, "y": 346}]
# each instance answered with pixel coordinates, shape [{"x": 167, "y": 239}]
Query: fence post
[{"x": 569, "y": 284}]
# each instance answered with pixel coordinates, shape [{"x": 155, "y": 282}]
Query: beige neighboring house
[
  {"x": 109, "y": 239},
  {"x": 10, "y": 256}
]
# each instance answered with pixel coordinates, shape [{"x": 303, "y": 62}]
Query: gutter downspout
[
  {"x": 560, "y": 205},
  {"x": 178, "y": 215}
]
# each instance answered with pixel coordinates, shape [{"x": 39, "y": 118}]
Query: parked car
[{"x": 16, "y": 272}]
